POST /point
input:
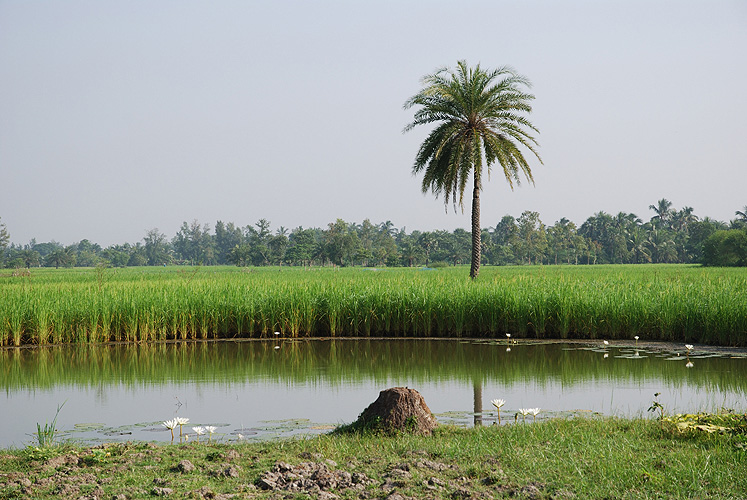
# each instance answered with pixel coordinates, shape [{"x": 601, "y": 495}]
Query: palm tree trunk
[{"x": 475, "y": 267}]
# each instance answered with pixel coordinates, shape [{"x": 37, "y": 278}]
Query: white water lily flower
[
  {"x": 199, "y": 430},
  {"x": 689, "y": 347},
  {"x": 524, "y": 412},
  {"x": 605, "y": 342},
  {"x": 498, "y": 402},
  {"x": 210, "y": 430},
  {"x": 534, "y": 412},
  {"x": 181, "y": 421},
  {"x": 508, "y": 335},
  {"x": 171, "y": 425}
]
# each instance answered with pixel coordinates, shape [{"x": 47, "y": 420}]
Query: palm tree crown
[{"x": 480, "y": 117}]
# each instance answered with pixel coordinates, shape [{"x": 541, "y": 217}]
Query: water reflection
[
  {"x": 253, "y": 389},
  {"x": 477, "y": 401}
]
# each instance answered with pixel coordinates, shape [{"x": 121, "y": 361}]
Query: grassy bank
[
  {"x": 683, "y": 303},
  {"x": 561, "y": 459}
]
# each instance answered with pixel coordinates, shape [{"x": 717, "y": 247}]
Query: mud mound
[{"x": 398, "y": 409}]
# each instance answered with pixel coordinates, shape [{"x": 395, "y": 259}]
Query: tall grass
[{"x": 683, "y": 303}]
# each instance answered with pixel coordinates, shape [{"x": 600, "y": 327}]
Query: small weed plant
[
  {"x": 45, "y": 435},
  {"x": 657, "y": 406}
]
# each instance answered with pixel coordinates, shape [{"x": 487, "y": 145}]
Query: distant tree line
[{"x": 669, "y": 236}]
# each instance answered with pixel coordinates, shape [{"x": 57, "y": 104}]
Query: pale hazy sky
[{"x": 120, "y": 116}]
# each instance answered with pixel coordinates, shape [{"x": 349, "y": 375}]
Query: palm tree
[
  {"x": 480, "y": 120},
  {"x": 4, "y": 236},
  {"x": 663, "y": 209},
  {"x": 639, "y": 246},
  {"x": 683, "y": 218}
]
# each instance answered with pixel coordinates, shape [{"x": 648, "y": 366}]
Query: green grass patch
[{"x": 593, "y": 458}]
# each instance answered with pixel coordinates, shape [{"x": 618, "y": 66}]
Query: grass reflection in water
[{"x": 342, "y": 361}]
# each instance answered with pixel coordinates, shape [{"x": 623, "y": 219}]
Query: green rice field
[{"x": 655, "y": 302}]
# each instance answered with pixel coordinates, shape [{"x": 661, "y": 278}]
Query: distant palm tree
[
  {"x": 480, "y": 117},
  {"x": 683, "y": 218},
  {"x": 639, "y": 246},
  {"x": 663, "y": 209},
  {"x": 738, "y": 223}
]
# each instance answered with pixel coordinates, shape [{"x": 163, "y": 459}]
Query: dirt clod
[
  {"x": 161, "y": 492},
  {"x": 311, "y": 478},
  {"x": 61, "y": 460},
  {"x": 185, "y": 467}
]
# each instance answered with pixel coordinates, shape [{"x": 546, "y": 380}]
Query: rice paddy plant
[
  {"x": 423, "y": 312},
  {"x": 203, "y": 312},
  {"x": 130, "y": 321},
  {"x": 15, "y": 323},
  {"x": 40, "y": 322},
  {"x": 683, "y": 303}
]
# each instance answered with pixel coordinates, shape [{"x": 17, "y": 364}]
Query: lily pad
[
  {"x": 286, "y": 425},
  {"x": 148, "y": 424},
  {"x": 117, "y": 433},
  {"x": 246, "y": 429},
  {"x": 88, "y": 427}
]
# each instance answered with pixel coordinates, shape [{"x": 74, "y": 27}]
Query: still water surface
[{"x": 267, "y": 389}]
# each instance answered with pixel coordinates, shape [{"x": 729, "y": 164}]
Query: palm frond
[{"x": 481, "y": 120}]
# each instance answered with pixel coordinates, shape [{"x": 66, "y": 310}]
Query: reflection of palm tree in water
[{"x": 477, "y": 398}]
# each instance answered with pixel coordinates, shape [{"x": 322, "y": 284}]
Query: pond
[{"x": 280, "y": 388}]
